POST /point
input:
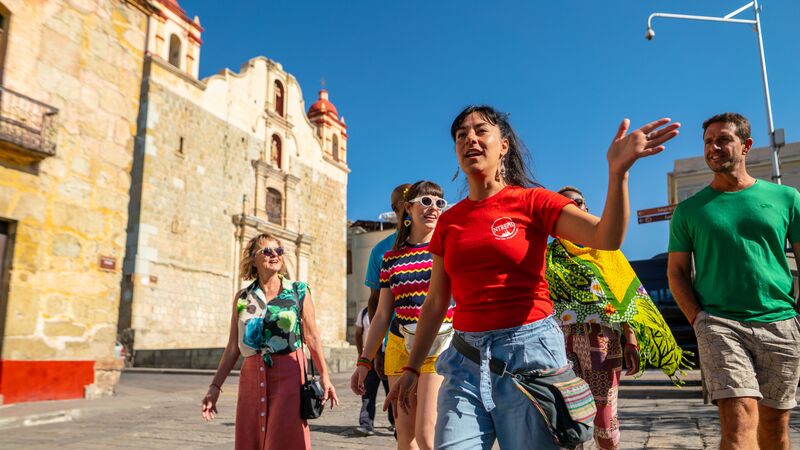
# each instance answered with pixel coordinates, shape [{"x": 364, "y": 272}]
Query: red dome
[
  {"x": 174, "y": 7},
  {"x": 322, "y": 105}
]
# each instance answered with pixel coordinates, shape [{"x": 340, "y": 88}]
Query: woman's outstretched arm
[{"x": 608, "y": 231}]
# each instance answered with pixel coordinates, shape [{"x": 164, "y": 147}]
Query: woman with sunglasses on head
[
  {"x": 271, "y": 320},
  {"x": 405, "y": 274},
  {"x": 489, "y": 254}
]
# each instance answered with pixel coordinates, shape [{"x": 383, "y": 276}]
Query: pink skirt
[{"x": 268, "y": 407}]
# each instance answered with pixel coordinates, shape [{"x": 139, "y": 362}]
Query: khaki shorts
[{"x": 750, "y": 359}]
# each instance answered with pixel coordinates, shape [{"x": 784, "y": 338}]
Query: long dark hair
[
  {"x": 419, "y": 188},
  {"x": 517, "y": 160}
]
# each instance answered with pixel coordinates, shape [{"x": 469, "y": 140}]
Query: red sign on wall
[{"x": 108, "y": 263}]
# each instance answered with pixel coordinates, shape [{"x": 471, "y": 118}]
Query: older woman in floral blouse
[{"x": 266, "y": 329}]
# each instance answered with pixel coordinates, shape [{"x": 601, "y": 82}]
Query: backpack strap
[{"x": 300, "y": 302}]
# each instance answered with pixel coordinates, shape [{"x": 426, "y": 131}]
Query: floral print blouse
[{"x": 270, "y": 327}]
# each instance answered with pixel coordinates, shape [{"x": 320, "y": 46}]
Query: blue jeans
[
  {"x": 366, "y": 418},
  {"x": 475, "y": 406}
]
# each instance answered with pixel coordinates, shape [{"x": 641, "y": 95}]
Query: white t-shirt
[{"x": 363, "y": 320}]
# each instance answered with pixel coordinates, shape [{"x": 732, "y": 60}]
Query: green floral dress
[{"x": 270, "y": 327}]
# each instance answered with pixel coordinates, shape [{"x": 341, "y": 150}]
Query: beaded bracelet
[
  {"x": 364, "y": 362},
  {"x": 410, "y": 369},
  {"x": 628, "y": 344}
]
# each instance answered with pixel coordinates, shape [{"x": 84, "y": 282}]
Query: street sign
[
  {"x": 655, "y": 214},
  {"x": 655, "y": 218},
  {"x": 652, "y": 211}
]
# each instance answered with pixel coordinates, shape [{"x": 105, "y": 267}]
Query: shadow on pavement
[
  {"x": 650, "y": 393},
  {"x": 345, "y": 431}
]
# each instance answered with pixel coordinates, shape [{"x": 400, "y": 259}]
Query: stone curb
[{"x": 33, "y": 420}]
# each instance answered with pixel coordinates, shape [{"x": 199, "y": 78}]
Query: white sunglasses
[{"x": 430, "y": 200}]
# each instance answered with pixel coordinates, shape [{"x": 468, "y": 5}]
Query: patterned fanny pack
[{"x": 564, "y": 400}]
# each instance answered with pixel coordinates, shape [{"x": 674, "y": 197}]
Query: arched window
[
  {"x": 274, "y": 206},
  {"x": 175, "y": 51},
  {"x": 279, "y": 98},
  {"x": 335, "y": 147},
  {"x": 275, "y": 151}
]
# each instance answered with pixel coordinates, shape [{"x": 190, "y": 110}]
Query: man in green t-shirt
[{"x": 740, "y": 302}]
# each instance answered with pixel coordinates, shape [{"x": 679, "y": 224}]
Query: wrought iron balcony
[{"x": 27, "y": 127}]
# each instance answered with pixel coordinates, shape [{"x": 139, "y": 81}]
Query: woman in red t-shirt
[{"x": 488, "y": 254}]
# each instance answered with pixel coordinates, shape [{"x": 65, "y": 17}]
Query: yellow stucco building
[
  {"x": 128, "y": 185},
  {"x": 71, "y": 73}
]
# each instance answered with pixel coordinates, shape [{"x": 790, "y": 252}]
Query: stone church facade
[
  {"x": 216, "y": 162},
  {"x": 128, "y": 218}
]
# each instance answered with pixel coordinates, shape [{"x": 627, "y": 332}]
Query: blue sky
[{"x": 567, "y": 71}]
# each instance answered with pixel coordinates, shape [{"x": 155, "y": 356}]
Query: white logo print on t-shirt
[{"x": 504, "y": 228}]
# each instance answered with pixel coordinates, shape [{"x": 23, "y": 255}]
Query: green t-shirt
[{"x": 738, "y": 241}]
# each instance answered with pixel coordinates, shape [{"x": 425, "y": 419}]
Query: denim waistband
[{"x": 484, "y": 340}]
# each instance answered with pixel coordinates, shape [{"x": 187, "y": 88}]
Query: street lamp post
[{"x": 729, "y": 18}]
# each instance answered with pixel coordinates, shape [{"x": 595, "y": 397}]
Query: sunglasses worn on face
[
  {"x": 267, "y": 251},
  {"x": 430, "y": 200}
]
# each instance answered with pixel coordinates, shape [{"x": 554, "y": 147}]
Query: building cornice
[
  {"x": 336, "y": 163},
  {"x": 266, "y": 169},
  {"x": 160, "y": 62},
  {"x": 145, "y": 6},
  {"x": 303, "y": 241},
  {"x": 279, "y": 119}
]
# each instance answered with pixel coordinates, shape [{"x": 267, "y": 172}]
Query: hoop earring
[
  {"x": 501, "y": 171},
  {"x": 407, "y": 221}
]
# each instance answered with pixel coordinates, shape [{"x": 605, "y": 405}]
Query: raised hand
[{"x": 648, "y": 140}]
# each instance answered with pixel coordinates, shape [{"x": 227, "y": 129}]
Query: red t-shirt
[{"x": 494, "y": 254}]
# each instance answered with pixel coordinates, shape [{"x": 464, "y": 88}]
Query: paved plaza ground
[{"x": 155, "y": 410}]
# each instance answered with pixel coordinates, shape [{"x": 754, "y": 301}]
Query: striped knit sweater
[{"x": 407, "y": 273}]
